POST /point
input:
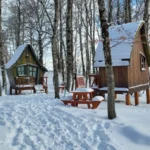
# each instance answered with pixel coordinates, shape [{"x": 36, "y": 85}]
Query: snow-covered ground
[{"x": 40, "y": 122}]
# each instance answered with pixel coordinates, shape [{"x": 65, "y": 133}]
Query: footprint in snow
[
  {"x": 2, "y": 122},
  {"x": 16, "y": 138},
  {"x": 107, "y": 125}
]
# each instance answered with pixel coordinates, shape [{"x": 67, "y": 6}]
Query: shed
[
  {"x": 130, "y": 60},
  {"x": 24, "y": 70}
]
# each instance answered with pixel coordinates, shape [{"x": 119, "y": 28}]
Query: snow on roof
[
  {"x": 121, "y": 42},
  {"x": 16, "y": 56},
  {"x": 115, "y": 89},
  {"x": 115, "y": 63}
]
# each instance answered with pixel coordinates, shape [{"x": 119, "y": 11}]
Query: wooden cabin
[
  {"x": 130, "y": 60},
  {"x": 25, "y": 71}
]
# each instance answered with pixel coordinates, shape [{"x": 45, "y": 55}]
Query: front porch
[
  {"x": 28, "y": 83},
  {"x": 94, "y": 83}
]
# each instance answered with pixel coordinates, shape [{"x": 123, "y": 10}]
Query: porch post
[
  {"x": 148, "y": 96},
  {"x": 127, "y": 99},
  {"x": 136, "y": 97}
]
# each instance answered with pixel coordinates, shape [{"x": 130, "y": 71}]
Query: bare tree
[
  {"x": 55, "y": 48},
  {"x": 61, "y": 52},
  {"x": 1, "y": 53},
  {"x": 54, "y": 26},
  {"x": 18, "y": 22},
  {"x": 118, "y": 12},
  {"x": 69, "y": 43},
  {"x": 87, "y": 20},
  {"x": 110, "y": 7},
  {"x": 127, "y": 8},
  {"x": 146, "y": 14},
  {"x": 108, "y": 60},
  {"x": 80, "y": 28}
]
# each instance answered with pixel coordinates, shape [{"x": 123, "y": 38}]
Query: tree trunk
[
  {"x": 88, "y": 64},
  {"x": 93, "y": 36},
  {"x": 127, "y": 8},
  {"x": 118, "y": 12},
  {"x": 31, "y": 36},
  {"x": 55, "y": 49},
  {"x": 40, "y": 43},
  {"x": 110, "y": 7},
  {"x": 19, "y": 24},
  {"x": 1, "y": 52},
  {"x": 146, "y": 14},
  {"x": 108, "y": 60},
  {"x": 69, "y": 43},
  {"x": 61, "y": 44},
  {"x": 81, "y": 49}
]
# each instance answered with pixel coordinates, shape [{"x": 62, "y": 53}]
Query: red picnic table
[{"x": 83, "y": 96}]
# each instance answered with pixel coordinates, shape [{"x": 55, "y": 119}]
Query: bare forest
[{"x": 64, "y": 33}]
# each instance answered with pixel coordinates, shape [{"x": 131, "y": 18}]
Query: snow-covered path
[
  {"x": 37, "y": 122},
  {"x": 40, "y": 122}
]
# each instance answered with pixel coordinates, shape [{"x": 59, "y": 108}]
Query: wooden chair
[
  {"x": 94, "y": 80},
  {"x": 62, "y": 87},
  {"x": 79, "y": 81},
  {"x": 45, "y": 83}
]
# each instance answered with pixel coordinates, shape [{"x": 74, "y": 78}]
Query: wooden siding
[
  {"x": 132, "y": 75},
  {"x": 24, "y": 60},
  {"x": 135, "y": 75},
  {"x": 120, "y": 75}
]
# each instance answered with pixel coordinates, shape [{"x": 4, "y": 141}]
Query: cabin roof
[
  {"x": 121, "y": 43},
  {"x": 18, "y": 53}
]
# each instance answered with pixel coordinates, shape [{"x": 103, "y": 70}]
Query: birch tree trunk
[
  {"x": 61, "y": 43},
  {"x": 69, "y": 43},
  {"x": 108, "y": 60},
  {"x": 40, "y": 44},
  {"x": 19, "y": 23},
  {"x": 40, "y": 41},
  {"x": 146, "y": 14},
  {"x": 81, "y": 49},
  {"x": 1, "y": 53},
  {"x": 55, "y": 48},
  {"x": 88, "y": 64},
  {"x": 110, "y": 7},
  {"x": 127, "y": 8},
  {"x": 118, "y": 12},
  {"x": 93, "y": 36}
]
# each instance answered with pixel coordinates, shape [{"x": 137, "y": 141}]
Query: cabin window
[
  {"x": 32, "y": 71},
  {"x": 142, "y": 62},
  {"x": 21, "y": 71}
]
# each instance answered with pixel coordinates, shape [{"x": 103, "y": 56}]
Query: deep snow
[{"x": 40, "y": 122}]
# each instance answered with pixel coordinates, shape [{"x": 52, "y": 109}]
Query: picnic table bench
[
  {"x": 75, "y": 103},
  {"x": 83, "y": 96}
]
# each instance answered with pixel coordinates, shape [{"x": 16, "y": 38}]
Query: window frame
[
  {"x": 142, "y": 62},
  {"x": 32, "y": 71},
  {"x": 21, "y": 70}
]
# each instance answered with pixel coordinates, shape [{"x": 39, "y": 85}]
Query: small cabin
[
  {"x": 130, "y": 60},
  {"x": 25, "y": 71}
]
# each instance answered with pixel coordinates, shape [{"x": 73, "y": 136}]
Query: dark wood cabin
[
  {"x": 25, "y": 71},
  {"x": 130, "y": 60}
]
